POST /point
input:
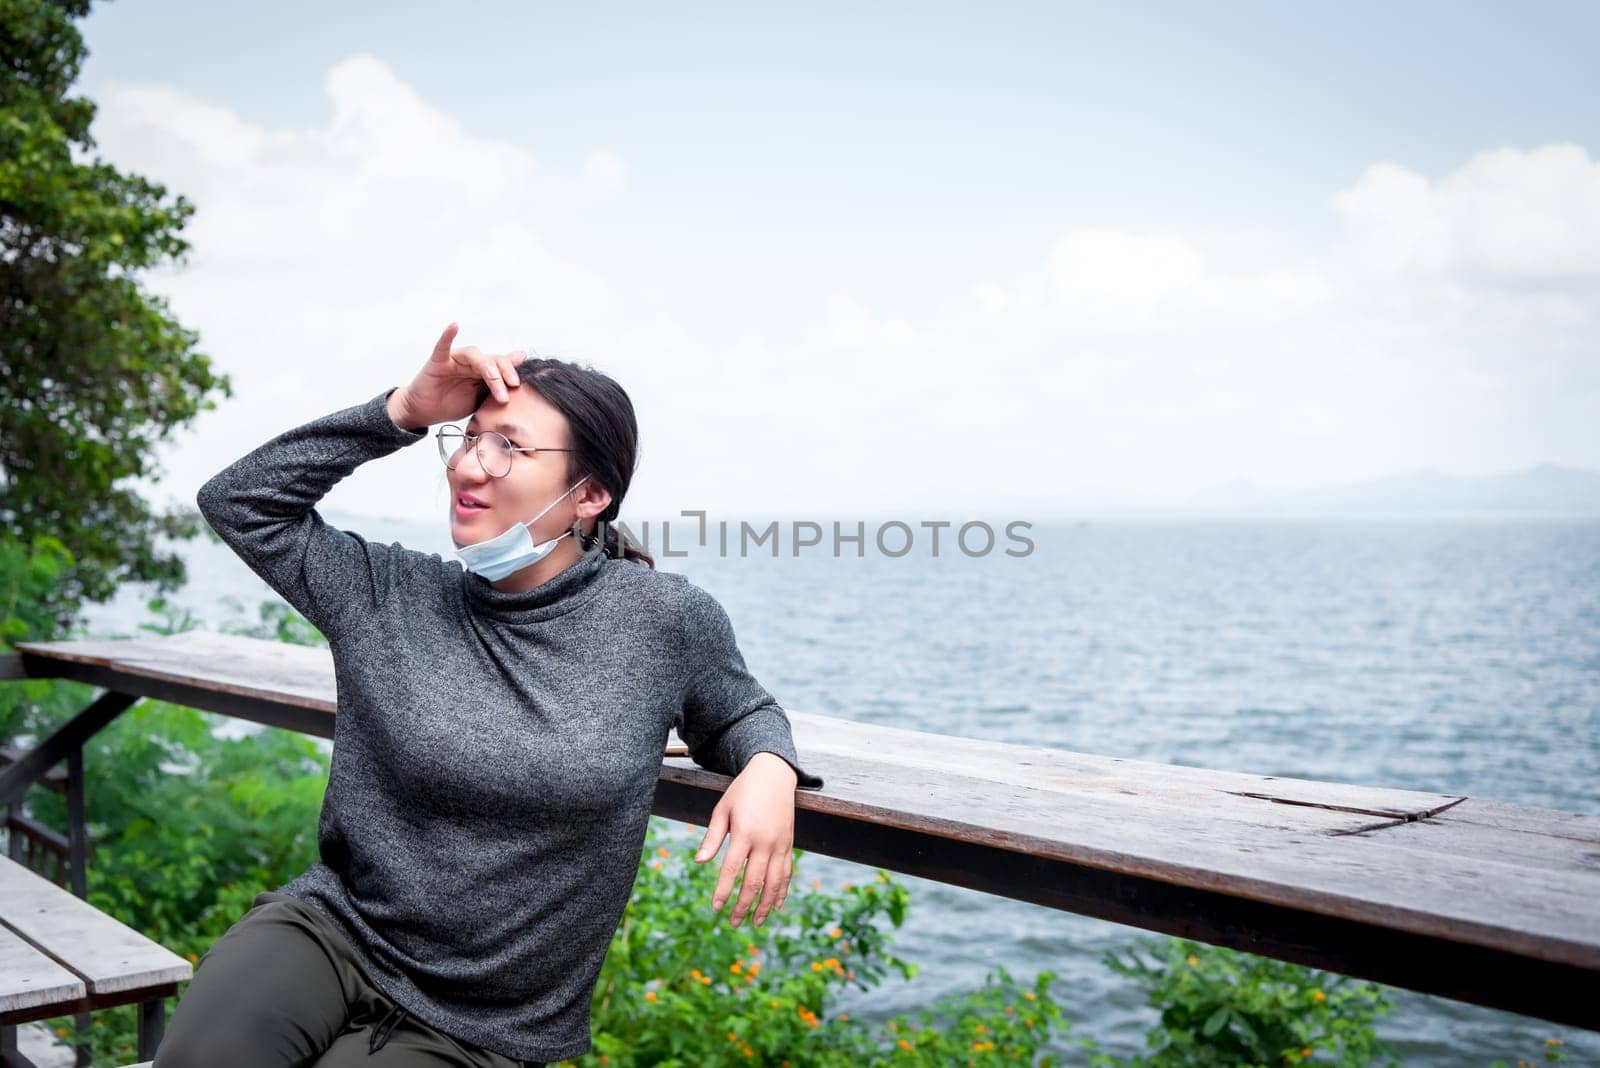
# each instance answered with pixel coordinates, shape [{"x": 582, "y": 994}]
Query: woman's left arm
[{"x": 731, "y": 724}]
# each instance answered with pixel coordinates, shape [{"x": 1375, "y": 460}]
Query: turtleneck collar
[{"x": 562, "y": 592}]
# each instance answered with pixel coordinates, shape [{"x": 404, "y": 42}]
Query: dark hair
[{"x": 605, "y": 437}]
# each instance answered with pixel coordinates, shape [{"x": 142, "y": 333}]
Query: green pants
[{"x": 280, "y": 989}]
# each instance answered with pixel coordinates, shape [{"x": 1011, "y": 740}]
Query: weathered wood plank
[
  {"x": 29, "y": 979},
  {"x": 1286, "y": 855},
  {"x": 225, "y": 663},
  {"x": 1481, "y": 900},
  {"x": 106, "y": 953}
]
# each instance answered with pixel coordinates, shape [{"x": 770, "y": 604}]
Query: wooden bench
[
  {"x": 60, "y": 956},
  {"x": 1469, "y": 898}
]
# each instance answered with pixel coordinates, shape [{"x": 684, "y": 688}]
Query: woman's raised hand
[{"x": 447, "y": 386}]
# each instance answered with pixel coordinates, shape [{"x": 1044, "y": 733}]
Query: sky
[{"x": 999, "y": 260}]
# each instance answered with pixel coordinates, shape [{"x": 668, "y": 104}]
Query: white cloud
[
  {"x": 1506, "y": 216},
  {"x": 327, "y": 260}
]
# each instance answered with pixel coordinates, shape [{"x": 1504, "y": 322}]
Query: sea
[{"x": 1458, "y": 655}]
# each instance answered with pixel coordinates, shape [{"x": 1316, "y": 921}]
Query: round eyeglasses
[{"x": 494, "y": 449}]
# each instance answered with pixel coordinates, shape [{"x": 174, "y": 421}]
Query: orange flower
[
  {"x": 664, "y": 851},
  {"x": 650, "y": 995},
  {"x": 1319, "y": 995},
  {"x": 835, "y": 932}
]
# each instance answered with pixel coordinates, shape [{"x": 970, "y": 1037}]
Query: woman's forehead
[{"x": 524, "y": 413}]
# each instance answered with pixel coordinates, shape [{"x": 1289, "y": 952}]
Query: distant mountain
[{"x": 1546, "y": 490}]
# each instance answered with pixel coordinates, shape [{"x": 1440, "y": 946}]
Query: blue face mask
[{"x": 512, "y": 550}]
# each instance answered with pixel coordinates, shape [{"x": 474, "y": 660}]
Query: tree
[{"x": 94, "y": 372}]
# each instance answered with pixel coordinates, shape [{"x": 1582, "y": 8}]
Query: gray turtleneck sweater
[{"x": 495, "y": 754}]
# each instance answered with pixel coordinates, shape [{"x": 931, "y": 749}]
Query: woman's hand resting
[
  {"x": 447, "y": 386},
  {"x": 758, "y": 809}
]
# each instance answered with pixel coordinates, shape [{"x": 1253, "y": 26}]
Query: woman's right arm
[{"x": 263, "y": 507}]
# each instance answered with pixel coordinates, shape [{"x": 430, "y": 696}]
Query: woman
[{"x": 501, "y": 722}]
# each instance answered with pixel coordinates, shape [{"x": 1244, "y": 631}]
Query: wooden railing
[{"x": 1482, "y": 901}]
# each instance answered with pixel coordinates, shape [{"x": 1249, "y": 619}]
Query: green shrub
[
  {"x": 1221, "y": 1008},
  {"x": 680, "y": 987}
]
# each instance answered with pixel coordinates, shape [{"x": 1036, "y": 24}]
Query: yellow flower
[
  {"x": 1194, "y": 961},
  {"x": 1319, "y": 995},
  {"x": 1029, "y": 995},
  {"x": 736, "y": 967},
  {"x": 816, "y": 965}
]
